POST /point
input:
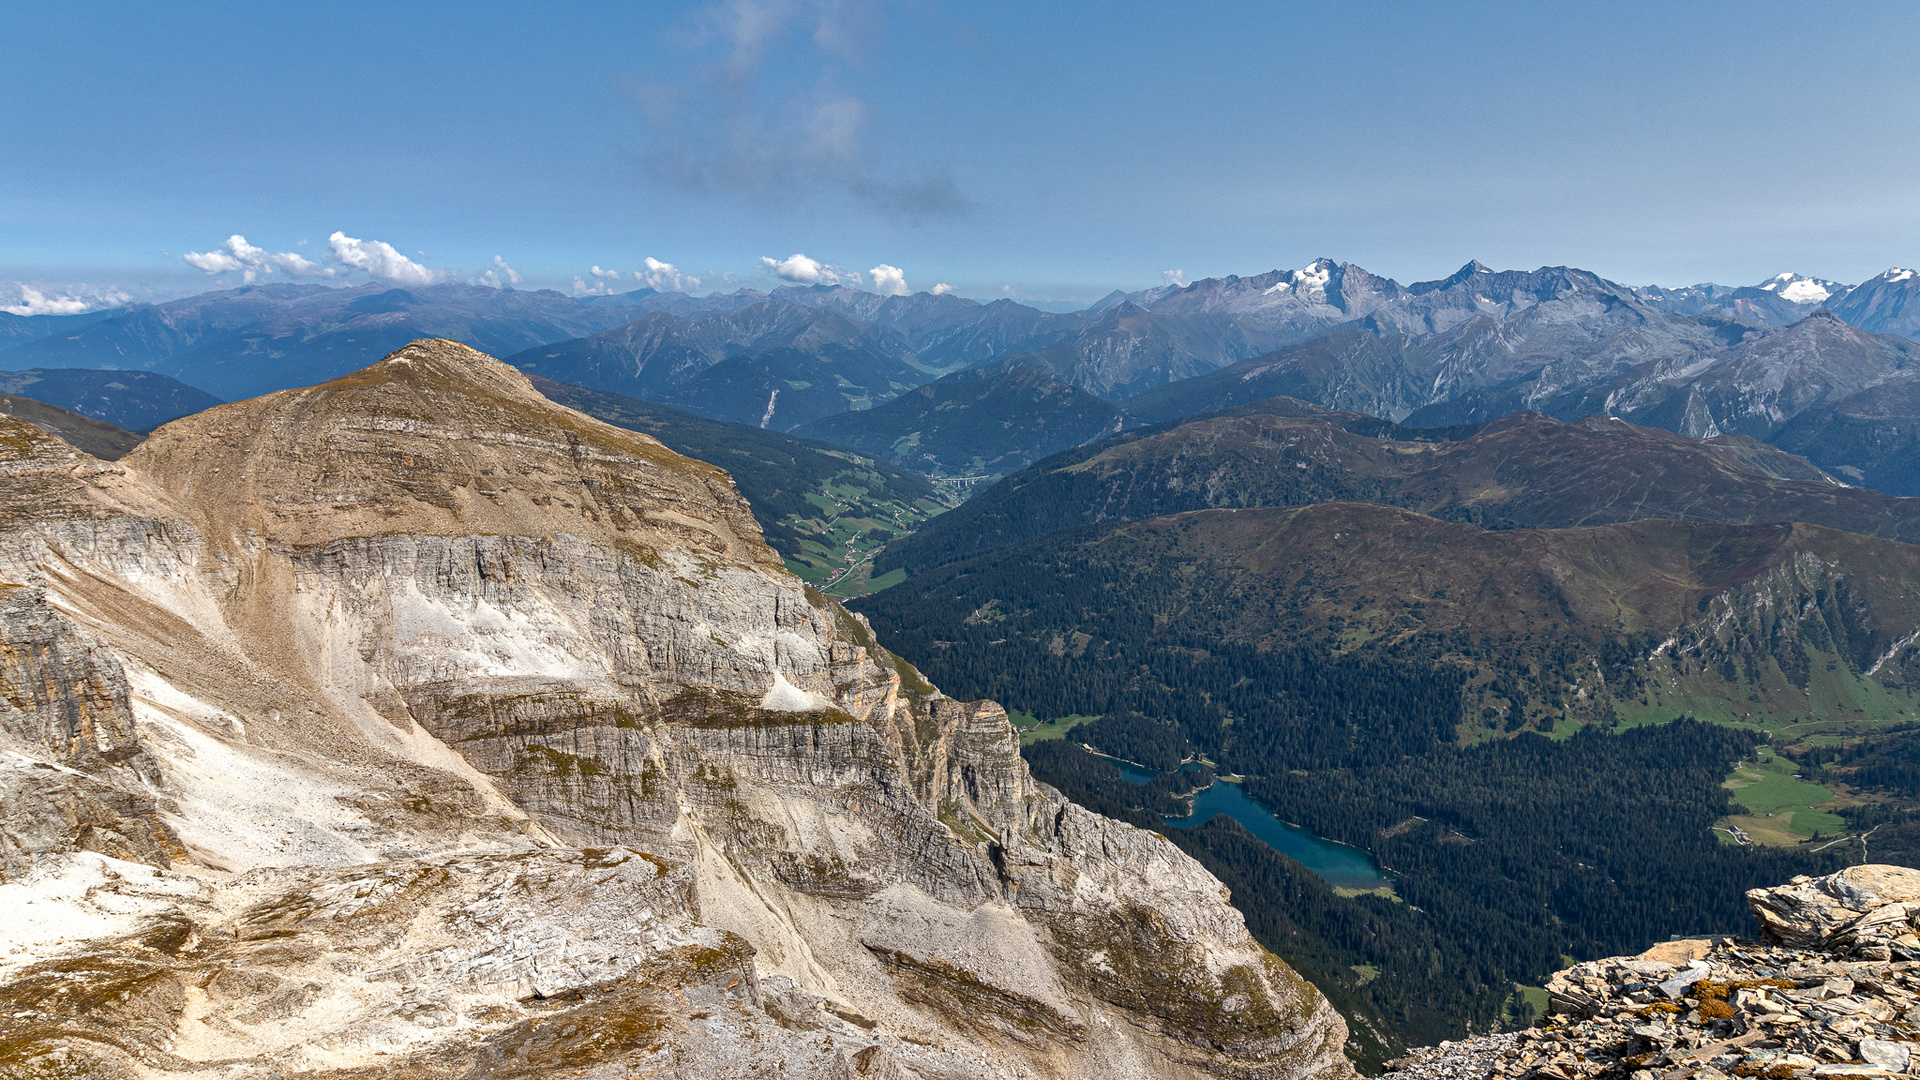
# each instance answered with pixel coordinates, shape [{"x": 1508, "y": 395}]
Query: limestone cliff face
[{"x": 413, "y": 723}]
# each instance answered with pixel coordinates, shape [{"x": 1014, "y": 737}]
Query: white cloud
[
  {"x": 889, "y": 280},
  {"x": 598, "y": 288},
  {"x": 610, "y": 275},
  {"x": 29, "y": 300},
  {"x": 665, "y": 277},
  {"x": 942, "y": 289},
  {"x": 380, "y": 261},
  {"x": 214, "y": 262},
  {"x": 497, "y": 276},
  {"x": 250, "y": 261},
  {"x": 799, "y": 268},
  {"x": 1175, "y": 277}
]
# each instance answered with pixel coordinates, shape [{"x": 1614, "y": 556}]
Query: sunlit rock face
[{"x": 412, "y": 724}]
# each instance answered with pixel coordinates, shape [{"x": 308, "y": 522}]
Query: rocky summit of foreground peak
[
  {"x": 1830, "y": 988},
  {"x": 414, "y": 725},
  {"x": 440, "y": 439}
]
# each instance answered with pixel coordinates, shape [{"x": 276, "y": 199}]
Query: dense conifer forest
[
  {"x": 1505, "y": 858},
  {"x": 1508, "y": 850}
]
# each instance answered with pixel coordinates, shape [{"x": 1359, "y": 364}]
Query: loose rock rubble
[{"x": 1831, "y": 989}]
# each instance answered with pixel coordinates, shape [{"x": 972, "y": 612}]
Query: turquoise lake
[{"x": 1339, "y": 865}]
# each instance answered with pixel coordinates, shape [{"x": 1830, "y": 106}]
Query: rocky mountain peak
[
  {"x": 1800, "y": 289},
  {"x": 444, "y": 440},
  {"x": 414, "y": 713},
  {"x": 1458, "y": 277},
  {"x": 1886, "y": 304},
  {"x": 441, "y": 365},
  {"x": 1820, "y": 327}
]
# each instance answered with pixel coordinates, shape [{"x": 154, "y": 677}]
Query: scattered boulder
[
  {"x": 1886, "y": 1054},
  {"x": 1867, "y": 911},
  {"x": 1831, "y": 989}
]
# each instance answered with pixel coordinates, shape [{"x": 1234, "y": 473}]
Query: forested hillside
[
  {"x": 1523, "y": 471},
  {"x": 1488, "y": 713}
]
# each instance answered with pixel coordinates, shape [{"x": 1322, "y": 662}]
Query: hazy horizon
[{"x": 1051, "y": 154}]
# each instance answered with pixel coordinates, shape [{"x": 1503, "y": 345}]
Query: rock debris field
[{"x": 1832, "y": 988}]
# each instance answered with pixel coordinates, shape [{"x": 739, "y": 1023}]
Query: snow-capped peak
[
  {"x": 1798, "y": 289},
  {"x": 1897, "y": 274}
]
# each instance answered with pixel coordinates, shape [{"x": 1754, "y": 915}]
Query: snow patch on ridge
[
  {"x": 1804, "y": 292},
  {"x": 1796, "y": 289}
]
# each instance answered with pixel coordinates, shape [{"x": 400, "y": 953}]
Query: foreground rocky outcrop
[
  {"x": 414, "y": 725},
  {"x": 1831, "y": 989}
]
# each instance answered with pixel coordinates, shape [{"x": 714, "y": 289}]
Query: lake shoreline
[{"x": 1347, "y": 868}]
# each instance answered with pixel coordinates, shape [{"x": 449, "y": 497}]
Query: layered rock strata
[
  {"x": 1832, "y": 989},
  {"x": 411, "y": 724}
]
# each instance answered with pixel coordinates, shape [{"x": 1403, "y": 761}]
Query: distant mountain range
[
  {"x": 1805, "y": 360},
  {"x": 243, "y": 342},
  {"x": 1473, "y": 346},
  {"x": 774, "y": 364},
  {"x": 1484, "y": 343},
  {"x": 19, "y": 329},
  {"x": 1781, "y": 299},
  {"x": 992, "y": 419},
  {"x": 1569, "y": 344}
]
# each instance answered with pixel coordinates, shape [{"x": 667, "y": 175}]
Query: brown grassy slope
[
  {"x": 1371, "y": 567},
  {"x": 1525, "y": 471}
]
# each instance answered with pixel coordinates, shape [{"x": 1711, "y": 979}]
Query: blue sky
[{"x": 1043, "y": 151}]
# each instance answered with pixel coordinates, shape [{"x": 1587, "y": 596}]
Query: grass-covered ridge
[{"x": 1523, "y": 471}]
